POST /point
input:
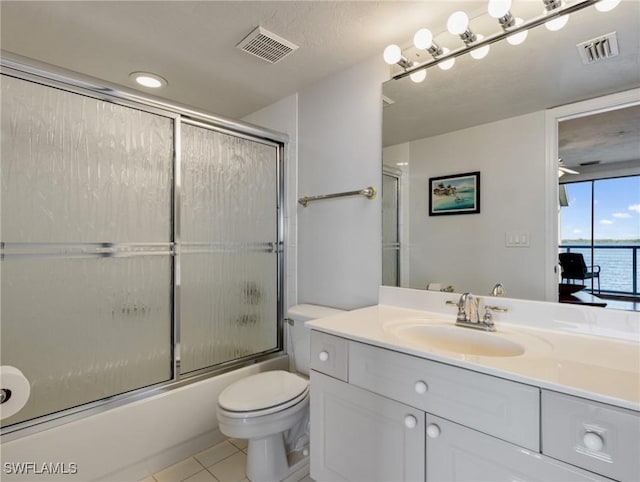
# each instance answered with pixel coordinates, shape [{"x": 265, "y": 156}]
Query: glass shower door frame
[{"x": 53, "y": 77}]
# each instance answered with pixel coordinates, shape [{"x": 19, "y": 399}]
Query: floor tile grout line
[
  {"x": 237, "y": 451},
  {"x": 213, "y": 475},
  {"x": 223, "y": 458}
]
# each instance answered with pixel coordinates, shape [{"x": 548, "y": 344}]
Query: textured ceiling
[
  {"x": 612, "y": 136},
  {"x": 544, "y": 72},
  {"x": 192, "y": 44}
]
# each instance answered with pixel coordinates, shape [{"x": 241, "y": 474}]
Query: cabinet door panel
[
  {"x": 359, "y": 436},
  {"x": 593, "y": 435},
  {"x": 456, "y": 453}
]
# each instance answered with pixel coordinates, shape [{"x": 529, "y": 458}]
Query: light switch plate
[{"x": 516, "y": 239}]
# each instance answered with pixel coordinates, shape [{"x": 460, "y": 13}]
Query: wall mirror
[{"x": 492, "y": 116}]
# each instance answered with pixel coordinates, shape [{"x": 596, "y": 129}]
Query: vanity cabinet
[
  {"x": 360, "y": 436},
  {"x": 381, "y": 415},
  {"x": 498, "y": 407}
]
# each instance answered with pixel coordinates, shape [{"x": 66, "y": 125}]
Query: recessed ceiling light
[{"x": 147, "y": 79}]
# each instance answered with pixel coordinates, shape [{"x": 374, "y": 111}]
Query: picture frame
[{"x": 454, "y": 194}]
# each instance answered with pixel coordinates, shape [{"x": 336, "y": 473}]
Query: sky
[{"x": 617, "y": 209}]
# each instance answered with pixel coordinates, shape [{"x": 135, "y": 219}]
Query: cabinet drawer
[
  {"x": 498, "y": 407},
  {"x": 329, "y": 355},
  {"x": 598, "y": 437}
]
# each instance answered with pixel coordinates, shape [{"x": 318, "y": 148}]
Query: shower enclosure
[{"x": 141, "y": 243}]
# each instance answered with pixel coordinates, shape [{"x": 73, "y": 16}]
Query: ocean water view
[{"x": 616, "y": 261}]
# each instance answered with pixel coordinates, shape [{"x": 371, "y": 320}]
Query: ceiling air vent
[
  {"x": 598, "y": 49},
  {"x": 266, "y": 45}
]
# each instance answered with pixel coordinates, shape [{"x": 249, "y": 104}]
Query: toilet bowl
[{"x": 271, "y": 409}]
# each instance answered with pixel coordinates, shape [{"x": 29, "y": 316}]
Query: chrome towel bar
[{"x": 369, "y": 193}]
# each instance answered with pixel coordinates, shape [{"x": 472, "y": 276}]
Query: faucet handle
[{"x": 488, "y": 313}]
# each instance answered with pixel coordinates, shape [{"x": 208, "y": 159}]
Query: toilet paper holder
[
  {"x": 5, "y": 395},
  {"x": 15, "y": 391}
]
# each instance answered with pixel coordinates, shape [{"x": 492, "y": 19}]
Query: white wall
[
  {"x": 468, "y": 251},
  {"x": 339, "y": 149},
  {"x": 282, "y": 116}
]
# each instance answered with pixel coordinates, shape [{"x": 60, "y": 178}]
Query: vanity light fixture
[
  {"x": 458, "y": 24},
  {"x": 514, "y": 30},
  {"x": 423, "y": 40},
  {"x": 558, "y": 22},
  {"x": 393, "y": 55},
  {"x": 147, "y": 79},
  {"x": 518, "y": 38},
  {"x": 501, "y": 10},
  {"x": 419, "y": 75},
  {"x": 447, "y": 64},
  {"x": 480, "y": 52},
  {"x": 606, "y": 5}
]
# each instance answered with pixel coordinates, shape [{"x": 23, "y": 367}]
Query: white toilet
[{"x": 271, "y": 409}]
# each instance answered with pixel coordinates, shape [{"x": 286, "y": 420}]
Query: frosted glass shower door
[
  {"x": 86, "y": 270},
  {"x": 228, "y": 249},
  {"x": 390, "y": 230}
]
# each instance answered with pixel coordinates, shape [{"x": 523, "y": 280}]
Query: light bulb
[
  {"x": 557, "y": 23},
  {"x": 447, "y": 64},
  {"x": 518, "y": 38},
  {"x": 482, "y": 52},
  {"x": 606, "y": 5},
  {"x": 392, "y": 54},
  {"x": 419, "y": 75},
  {"x": 423, "y": 39},
  {"x": 499, "y": 8},
  {"x": 458, "y": 23}
]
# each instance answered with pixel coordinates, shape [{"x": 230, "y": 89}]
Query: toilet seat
[{"x": 263, "y": 394}]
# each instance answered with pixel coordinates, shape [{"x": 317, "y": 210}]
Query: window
[{"x": 602, "y": 221}]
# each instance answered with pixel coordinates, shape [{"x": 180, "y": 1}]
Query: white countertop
[{"x": 605, "y": 369}]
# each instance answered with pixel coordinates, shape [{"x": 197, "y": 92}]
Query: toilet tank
[{"x": 300, "y": 334}]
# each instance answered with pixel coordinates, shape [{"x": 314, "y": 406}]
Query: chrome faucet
[
  {"x": 498, "y": 290},
  {"x": 469, "y": 313},
  {"x": 470, "y": 304}
]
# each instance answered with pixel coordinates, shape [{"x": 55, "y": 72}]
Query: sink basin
[{"x": 456, "y": 339}]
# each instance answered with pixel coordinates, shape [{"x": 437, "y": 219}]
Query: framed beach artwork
[{"x": 455, "y": 194}]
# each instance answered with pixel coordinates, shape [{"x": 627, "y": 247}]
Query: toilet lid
[{"x": 263, "y": 390}]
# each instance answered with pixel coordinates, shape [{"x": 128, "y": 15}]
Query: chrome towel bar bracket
[{"x": 369, "y": 193}]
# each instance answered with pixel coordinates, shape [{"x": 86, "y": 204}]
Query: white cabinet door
[
  {"x": 456, "y": 453},
  {"x": 359, "y": 436},
  {"x": 593, "y": 435}
]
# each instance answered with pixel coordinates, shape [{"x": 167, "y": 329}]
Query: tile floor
[{"x": 224, "y": 462}]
